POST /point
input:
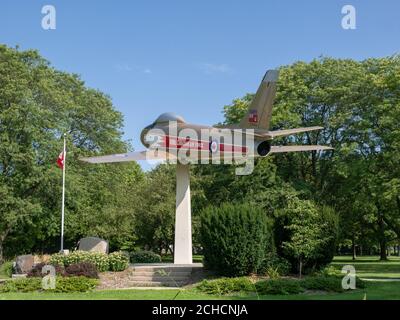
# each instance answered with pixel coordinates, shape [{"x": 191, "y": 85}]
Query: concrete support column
[{"x": 183, "y": 217}]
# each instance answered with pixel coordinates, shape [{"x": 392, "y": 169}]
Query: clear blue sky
[{"x": 192, "y": 57}]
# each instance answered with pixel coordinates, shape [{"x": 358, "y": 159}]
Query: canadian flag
[{"x": 60, "y": 160}]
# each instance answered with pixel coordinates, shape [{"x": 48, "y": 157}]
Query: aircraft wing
[
  {"x": 280, "y": 149},
  {"x": 131, "y": 156}
]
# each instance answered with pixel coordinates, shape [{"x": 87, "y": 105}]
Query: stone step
[
  {"x": 161, "y": 274},
  {"x": 155, "y": 275},
  {"x": 153, "y": 278},
  {"x": 157, "y": 269},
  {"x": 157, "y": 283}
]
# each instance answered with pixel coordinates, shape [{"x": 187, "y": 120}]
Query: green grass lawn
[
  {"x": 371, "y": 267},
  {"x": 374, "y": 291},
  {"x": 366, "y": 267}
]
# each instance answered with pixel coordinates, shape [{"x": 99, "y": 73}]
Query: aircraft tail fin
[{"x": 258, "y": 115}]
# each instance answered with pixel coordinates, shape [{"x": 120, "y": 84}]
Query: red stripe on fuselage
[{"x": 172, "y": 142}]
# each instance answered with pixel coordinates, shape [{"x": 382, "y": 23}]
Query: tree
[
  {"x": 357, "y": 103},
  {"x": 304, "y": 234},
  {"x": 37, "y": 105},
  {"x": 155, "y": 212}
]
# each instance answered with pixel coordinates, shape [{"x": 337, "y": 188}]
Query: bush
[
  {"x": 144, "y": 257},
  {"x": 36, "y": 271},
  {"x": 74, "y": 284},
  {"x": 118, "y": 261},
  {"x": 83, "y": 269},
  {"x": 275, "y": 266},
  {"x": 100, "y": 260},
  {"x": 236, "y": 239},
  {"x": 273, "y": 273},
  {"x": 69, "y": 284},
  {"x": 329, "y": 271},
  {"x": 226, "y": 285},
  {"x": 328, "y": 283},
  {"x": 279, "y": 286},
  {"x": 57, "y": 259},
  {"x": 322, "y": 282},
  {"x": 21, "y": 285},
  {"x": 6, "y": 269},
  {"x": 330, "y": 231}
]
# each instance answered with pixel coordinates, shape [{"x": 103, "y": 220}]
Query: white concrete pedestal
[{"x": 183, "y": 217}]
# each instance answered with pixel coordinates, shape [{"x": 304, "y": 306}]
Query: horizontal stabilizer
[
  {"x": 131, "y": 156},
  {"x": 279, "y": 149},
  {"x": 288, "y": 132},
  {"x": 265, "y": 134}
]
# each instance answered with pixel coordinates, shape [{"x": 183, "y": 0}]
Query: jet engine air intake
[{"x": 263, "y": 148}]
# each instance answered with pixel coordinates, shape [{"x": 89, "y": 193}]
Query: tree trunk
[
  {"x": 381, "y": 233},
  {"x": 382, "y": 239},
  {"x": 353, "y": 246},
  {"x": 382, "y": 245},
  {"x": 300, "y": 267},
  {"x": 1, "y": 252},
  {"x": 3, "y": 237}
]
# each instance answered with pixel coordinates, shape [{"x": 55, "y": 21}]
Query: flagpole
[{"x": 63, "y": 196}]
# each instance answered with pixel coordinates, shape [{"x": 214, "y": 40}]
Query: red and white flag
[{"x": 60, "y": 160}]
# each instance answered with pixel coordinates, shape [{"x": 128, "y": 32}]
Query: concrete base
[{"x": 183, "y": 217}]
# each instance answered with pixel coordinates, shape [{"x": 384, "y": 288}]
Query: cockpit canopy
[{"x": 169, "y": 116}]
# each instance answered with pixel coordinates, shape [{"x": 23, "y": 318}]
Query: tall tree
[
  {"x": 358, "y": 105},
  {"x": 37, "y": 105}
]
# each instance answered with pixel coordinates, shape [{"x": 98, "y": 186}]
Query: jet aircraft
[{"x": 170, "y": 135}]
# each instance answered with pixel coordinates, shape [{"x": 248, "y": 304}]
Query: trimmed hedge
[
  {"x": 282, "y": 286},
  {"x": 279, "y": 286},
  {"x": 144, "y": 257},
  {"x": 226, "y": 285},
  {"x": 328, "y": 283},
  {"x": 75, "y": 284},
  {"x": 116, "y": 261},
  {"x": 21, "y": 285},
  {"x": 68, "y": 284},
  {"x": 236, "y": 239},
  {"x": 6, "y": 268}
]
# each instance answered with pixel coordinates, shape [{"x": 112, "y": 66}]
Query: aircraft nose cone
[{"x": 144, "y": 132}]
